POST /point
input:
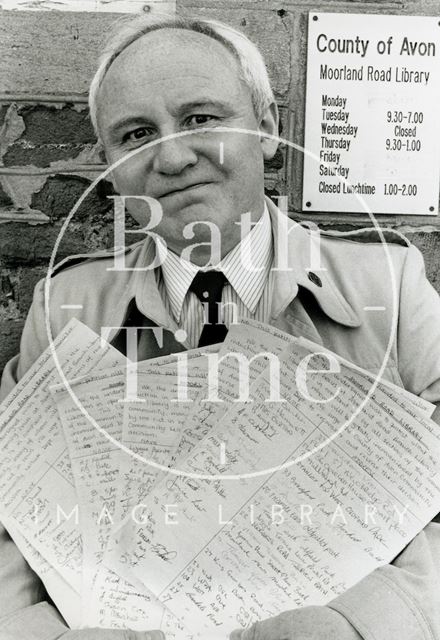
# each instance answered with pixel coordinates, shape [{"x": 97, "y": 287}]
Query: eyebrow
[
  {"x": 197, "y": 104},
  {"x": 128, "y": 121}
]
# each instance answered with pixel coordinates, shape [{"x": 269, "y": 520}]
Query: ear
[{"x": 268, "y": 127}]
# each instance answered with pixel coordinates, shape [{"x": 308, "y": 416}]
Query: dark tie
[{"x": 208, "y": 287}]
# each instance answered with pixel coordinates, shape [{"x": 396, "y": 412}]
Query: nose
[{"x": 173, "y": 156}]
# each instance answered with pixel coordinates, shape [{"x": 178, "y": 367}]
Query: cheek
[
  {"x": 246, "y": 169},
  {"x": 128, "y": 178},
  {"x": 129, "y": 165},
  {"x": 140, "y": 211},
  {"x": 245, "y": 153}
]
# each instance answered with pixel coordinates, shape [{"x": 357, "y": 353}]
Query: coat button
[{"x": 314, "y": 278}]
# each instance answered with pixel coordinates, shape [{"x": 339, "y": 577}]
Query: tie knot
[{"x": 208, "y": 286}]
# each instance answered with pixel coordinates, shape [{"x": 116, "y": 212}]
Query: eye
[
  {"x": 136, "y": 135},
  {"x": 200, "y": 119}
]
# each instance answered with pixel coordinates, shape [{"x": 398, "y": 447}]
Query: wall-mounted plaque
[{"x": 372, "y": 114}]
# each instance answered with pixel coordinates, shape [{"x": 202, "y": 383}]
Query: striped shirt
[{"x": 248, "y": 290}]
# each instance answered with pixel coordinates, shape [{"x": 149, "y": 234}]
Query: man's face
[{"x": 171, "y": 81}]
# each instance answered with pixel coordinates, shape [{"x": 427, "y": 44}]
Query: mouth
[{"x": 191, "y": 187}]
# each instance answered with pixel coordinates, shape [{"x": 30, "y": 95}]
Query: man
[{"x": 179, "y": 84}]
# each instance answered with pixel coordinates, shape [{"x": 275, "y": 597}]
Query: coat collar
[
  {"x": 148, "y": 298},
  {"x": 298, "y": 262},
  {"x": 295, "y": 254}
]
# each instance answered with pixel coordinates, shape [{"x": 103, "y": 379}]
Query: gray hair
[{"x": 252, "y": 69}]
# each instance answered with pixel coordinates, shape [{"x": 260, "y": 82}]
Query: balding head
[{"x": 251, "y": 67}]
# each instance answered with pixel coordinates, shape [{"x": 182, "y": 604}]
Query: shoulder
[
  {"x": 367, "y": 236},
  {"x": 95, "y": 262},
  {"x": 367, "y": 264},
  {"x": 90, "y": 287},
  {"x": 94, "y": 279},
  {"x": 368, "y": 249}
]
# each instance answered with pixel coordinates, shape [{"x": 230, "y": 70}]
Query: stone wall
[{"x": 47, "y": 146}]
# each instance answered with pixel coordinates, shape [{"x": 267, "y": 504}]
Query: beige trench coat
[{"x": 369, "y": 302}]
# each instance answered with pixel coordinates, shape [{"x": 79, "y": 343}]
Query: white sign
[{"x": 372, "y": 114}]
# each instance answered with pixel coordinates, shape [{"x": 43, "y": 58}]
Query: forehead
[
  {"x": 164, "y": 42},
  {"x": 175, "y": 62}
]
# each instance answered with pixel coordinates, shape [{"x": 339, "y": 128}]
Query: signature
[{"x": 161, "y": 551}]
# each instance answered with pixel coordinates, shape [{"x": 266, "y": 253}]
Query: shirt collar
[
  {"x": 330, "y": 296},
  {"x": 177, "y": 274},
  {"x": 247, "y": 266},
  {"x": 255, "y": 250}
]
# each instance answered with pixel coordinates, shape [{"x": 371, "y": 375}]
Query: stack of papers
[{"x": 241, "y": 480}]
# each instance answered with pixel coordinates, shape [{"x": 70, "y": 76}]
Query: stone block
[{"x": 10, "y": 333}]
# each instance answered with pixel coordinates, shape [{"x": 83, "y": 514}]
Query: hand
[
  {"x": 111, "y": 634},
  {"x": 308, "y": 623}
]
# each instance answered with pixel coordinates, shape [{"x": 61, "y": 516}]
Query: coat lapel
[
  {"x": 296, "y": 266},
  {"x": 298, "y": 263}
]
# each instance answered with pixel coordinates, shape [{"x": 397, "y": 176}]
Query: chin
[{"x": 195, "y": 212}]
